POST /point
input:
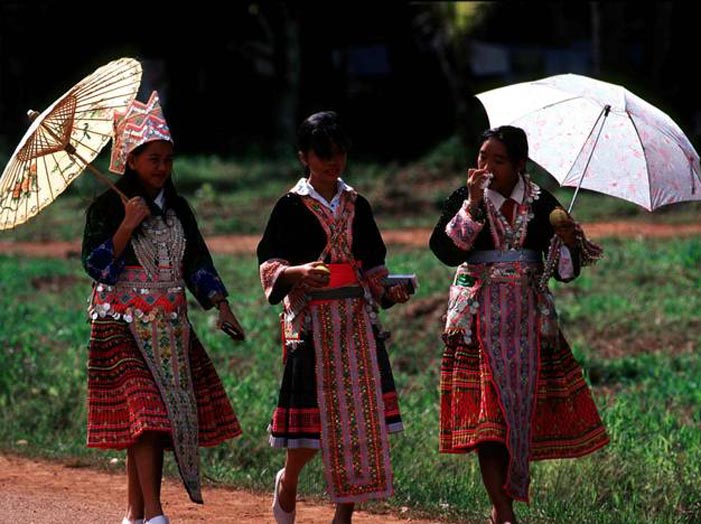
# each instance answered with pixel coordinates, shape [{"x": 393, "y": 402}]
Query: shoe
[
  {"x": 134, "y": 521},
  {"x": 281, "y": 516},
  {"x": 158, "y": 519}
]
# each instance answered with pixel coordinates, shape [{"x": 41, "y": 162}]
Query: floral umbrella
[
  {"x": 62, "y": 141},
  {"x": 600, "y": 136}
]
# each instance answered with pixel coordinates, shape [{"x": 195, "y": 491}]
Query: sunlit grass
[{"x": 649, "y": 393}]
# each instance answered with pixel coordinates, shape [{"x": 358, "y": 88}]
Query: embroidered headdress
[{"x": 140, "y": 123}]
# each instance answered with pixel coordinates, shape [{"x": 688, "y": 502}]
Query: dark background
[{"x": 237, "y": 78}]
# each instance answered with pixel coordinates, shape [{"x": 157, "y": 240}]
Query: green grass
[{"x": 633, "y": 321}]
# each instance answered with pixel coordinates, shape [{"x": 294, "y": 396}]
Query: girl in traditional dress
[
  {"x": 510, "y": 387},
  {"x": 151, "y": 386},
  {"x": 322, "y": 255}
]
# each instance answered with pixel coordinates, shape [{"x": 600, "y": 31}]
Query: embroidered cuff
[
  {"x": 463, "y": 228},
  {"x": 270, "y": 271},
  {"x": 206, "y": 285},
  {"x": 565, "y": 266},
  {"x": 374, "y": 278},
  {"x": 101, "y": 264}
]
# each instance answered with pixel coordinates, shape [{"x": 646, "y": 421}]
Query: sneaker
[
  {"x": 134, "y": 521},
  {"x": 281, "y": 516},
  {"x": 158, "y": 519}
]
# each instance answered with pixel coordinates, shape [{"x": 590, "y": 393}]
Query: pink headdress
[{"x": 140, "y": 123}]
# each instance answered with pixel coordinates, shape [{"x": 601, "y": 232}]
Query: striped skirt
[
  {"x": 296, "y": 421},
  {"x": 565, "y": 422},
  {"x": 124, "y": 401}
]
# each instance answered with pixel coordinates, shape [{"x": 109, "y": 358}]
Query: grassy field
[{"x": 633, "y": 321}]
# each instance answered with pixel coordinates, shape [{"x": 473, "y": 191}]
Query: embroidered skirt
[
  {"x": 296, "y": 420},
  {"x": 565, "y": 421},
  {"x": 124, "y": 401}
]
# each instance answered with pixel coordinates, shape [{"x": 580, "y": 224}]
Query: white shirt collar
[
  {"x": 160, "y": 199},
  {"x": 304, "y": 188},
  {"x": 517, "y": 194}
]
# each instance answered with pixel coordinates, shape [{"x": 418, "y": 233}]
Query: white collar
[
  {"x": 160, "y": 199},
  {"x": 304, "y": 188},
  {"x": 517, "y": 194}
]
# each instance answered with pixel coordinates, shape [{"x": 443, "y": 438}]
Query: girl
[
  {"x": 151, "y": 386},
  {"x": 322, "y": 256},
  {"x": 510, "y": 388}
]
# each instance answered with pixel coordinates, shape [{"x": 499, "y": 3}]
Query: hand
[
  {"x": 476, "y": 178},
  {"x": 135, "y": 211},
  {"x": 397, "y": 293},
  {"x": 226, "y": 315},
  {"x": 312, "y": 276},
  {"x": 566, "y": 230}
]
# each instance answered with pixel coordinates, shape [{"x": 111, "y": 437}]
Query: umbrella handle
[{"x": 106, "y": 180}]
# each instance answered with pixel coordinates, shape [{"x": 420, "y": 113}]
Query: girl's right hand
[
  {"x": 313, "y": 277},
  {"x": 135, "y": 211},
  {"x": 477, "y": 179}
]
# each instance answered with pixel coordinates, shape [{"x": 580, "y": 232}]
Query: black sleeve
[
  {"x": 441, "y": 245},
  {"x": 368, "y": 246},
  {"x": 102, "y": 219},
  {"x": 277, "y": 243},
  {"x": 199, "y": 272}
]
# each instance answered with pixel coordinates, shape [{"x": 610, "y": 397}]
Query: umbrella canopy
[
  {"x": 600, "y": 136},
  {"x": 62, "y": 141}
]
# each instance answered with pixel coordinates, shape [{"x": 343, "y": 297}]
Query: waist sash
[
  {"x": 509, "y": 333},
  {"x": 354, "y": 438},
  {"x": 156, "y": 313},
  {"x": 493, "y": 256}
]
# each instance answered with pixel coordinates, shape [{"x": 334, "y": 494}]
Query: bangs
[{"x": 328, "y": 141}]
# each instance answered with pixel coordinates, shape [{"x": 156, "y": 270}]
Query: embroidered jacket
[{"x": 105, "y": 215}]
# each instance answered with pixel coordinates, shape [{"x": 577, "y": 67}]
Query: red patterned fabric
[
  {"x": 565, "y": 422},
  {"x": 123, "y": 400},
  {"x": 354, "y": 437},
  {"x": 507, "y": 209},
  {"x": 306, "y": 421}
]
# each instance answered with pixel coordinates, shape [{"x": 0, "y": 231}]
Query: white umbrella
[
  {"x": 600, "y": 136},
  {"x": 62, "y": 141}
]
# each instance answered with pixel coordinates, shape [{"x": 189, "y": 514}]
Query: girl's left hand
[
  {"x": 226, "y": 315},
  {"x": 397, "y": 293}
]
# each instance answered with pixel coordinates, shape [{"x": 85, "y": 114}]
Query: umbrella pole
[
  {"x": 106, "y": 180},
  {"x": 71, "y": 151},
  {"x": 605, "y": 111}
]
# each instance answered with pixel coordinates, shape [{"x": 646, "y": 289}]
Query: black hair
[
  {"x": 324, "y": 134},
  {"x": 513, "y": 138},
  {"x": 130, "y": 184}
]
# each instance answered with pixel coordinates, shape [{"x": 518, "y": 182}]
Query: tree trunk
[{"x": 288, "y": 66}]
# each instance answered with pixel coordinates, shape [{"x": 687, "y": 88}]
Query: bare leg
[
  {"x": 344, "y": 513},
  {"x": 294, "y": 462},
  {"x": 148, "y": 458},
  {"x": 494, "y": 461},
  {"x": 135, "y": 499}
]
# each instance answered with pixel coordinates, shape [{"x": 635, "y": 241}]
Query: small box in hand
[
  {"x": 410, "y": 282},
  {"x": 229, "y": 329}
]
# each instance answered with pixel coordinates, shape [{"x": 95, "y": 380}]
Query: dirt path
[
  {"x": 242, "y": 244},
  {"x": 34, "y": 492}
]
